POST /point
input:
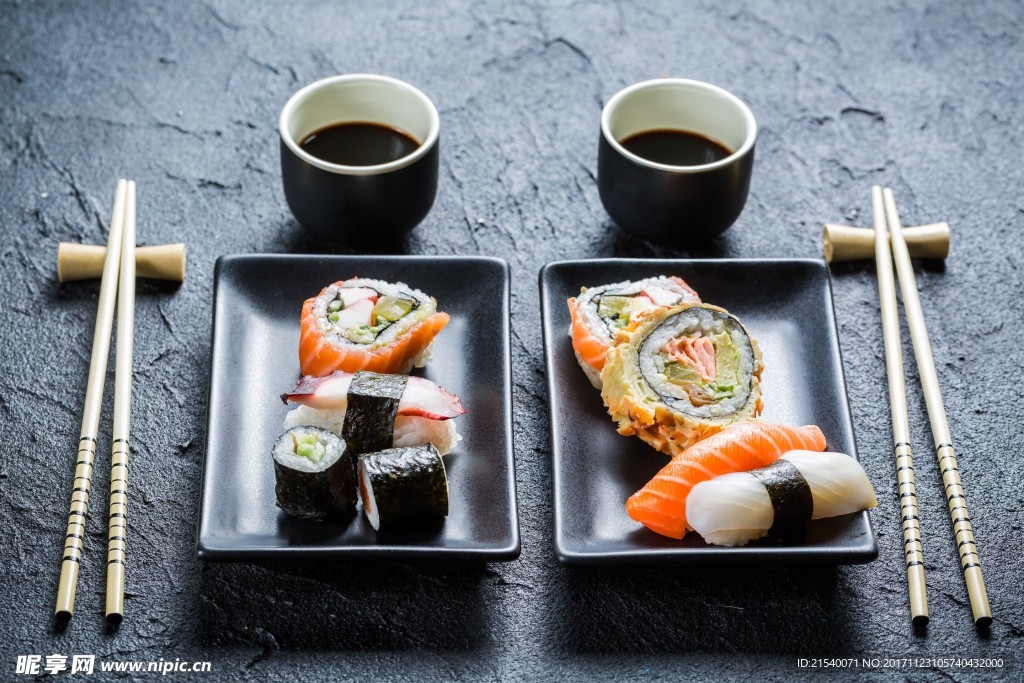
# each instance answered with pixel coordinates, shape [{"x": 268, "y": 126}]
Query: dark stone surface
[{"x": 184, "y": 97}]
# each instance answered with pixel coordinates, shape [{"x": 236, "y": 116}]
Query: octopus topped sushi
[
  {"x": 372, "y": 411},
  {"x": 365, "y": 324},
  {"x": 598, "y": 314},
  {"x": 682, "y": 373}
]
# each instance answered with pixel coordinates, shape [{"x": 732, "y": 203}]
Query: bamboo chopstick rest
[
  {"x": 85, "y": 261},
  {"x": 846, "y": 243}
]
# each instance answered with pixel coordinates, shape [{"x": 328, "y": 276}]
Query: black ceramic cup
[
  {"x": 675, "y": 203},
  {"x": 359, "y": 203}
]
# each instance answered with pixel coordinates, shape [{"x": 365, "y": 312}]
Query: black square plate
[
  {"x": 787, "y": 306},
  {"x": 254, "y": 359}
]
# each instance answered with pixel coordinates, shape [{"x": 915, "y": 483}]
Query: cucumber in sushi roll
[
  {"x": 402, "y": 488},
  {"x": 680, "y": 374},
  {"x": 315, "y": 477}
]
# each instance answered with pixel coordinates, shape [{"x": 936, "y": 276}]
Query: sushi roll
[
  {"x": 372, "y": 411},
  {"x": 364, "y": 324},
  {"x": 680, "y": 374},
  {"x": 403, "y": 488},
  {"x": 598, "y": 313},
  {"x": 735, "y": 509},
  {"x": 315, "y": 478},
  {"x": 661, "y": 504}
]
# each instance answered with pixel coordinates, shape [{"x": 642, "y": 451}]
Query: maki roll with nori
[
  {"x": 365, "y": 324},
  {"x": 598, "y": 314},
  {"x": 680, "y": 374},
  {"x": 374, "y": 411},
  {"x": 403, "y": 488},
  {"x": 315, "y": 477}
]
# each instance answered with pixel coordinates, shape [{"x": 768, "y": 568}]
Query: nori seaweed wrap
[
  {"x": 315, "y": 478},
  {"x": 403, "y": 488},
  {"x": 373, "y": 401}
]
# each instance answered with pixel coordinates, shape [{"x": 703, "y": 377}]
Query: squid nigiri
[
  {"x": 737, "y": 508},
  {"x": 661, "y": 504}
]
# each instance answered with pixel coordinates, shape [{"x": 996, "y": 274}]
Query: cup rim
[
  {"x": 300, "y": 96},
  {"x": 616, "y": 99}
]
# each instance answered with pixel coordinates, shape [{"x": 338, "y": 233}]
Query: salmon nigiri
[
  {"x": 363, "y": 324},
  {"x": 661, "y": 504}
]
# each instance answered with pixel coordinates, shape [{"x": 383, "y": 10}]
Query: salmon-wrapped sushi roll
[
  {"x": 364, "y": 324},
  {"x": 682, "y": 373},
  {"x": 598, "y": 313}
]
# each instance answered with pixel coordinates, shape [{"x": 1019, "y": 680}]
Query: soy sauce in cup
[
  {"x": 676, "y": 147},
  {"x": 359, "y": 157},
  {"x": 674, "y": 159},
  {"x": 359, "y": 144}
]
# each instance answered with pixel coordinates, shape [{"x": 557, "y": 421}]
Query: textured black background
[{"x": 184, "y": 97}]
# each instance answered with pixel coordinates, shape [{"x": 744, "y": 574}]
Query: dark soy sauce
[
  {"x": 675, "y": 147},
  {"x": 359, "y": 144}
]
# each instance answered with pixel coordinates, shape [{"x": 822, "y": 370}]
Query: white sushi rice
[
  {"x": 734, "y": 509},
  {"x": 696, "y": 322},
  {"x": 420, "y": 361},
  {"x": 409, "y": 430},
  {"x": 284, "y": 449},
  {"x": 593, "y": 375}
]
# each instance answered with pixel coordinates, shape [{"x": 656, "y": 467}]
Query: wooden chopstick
[
  {"x": 963, "y": 531},
  {"x": 117, "y": 527},
  {"x": 907, "y": 487},
  {"x": 75, "y": 536}
]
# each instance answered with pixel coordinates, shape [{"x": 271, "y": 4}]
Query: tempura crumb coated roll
[
  {"x": 737, "y": 508},
  {"x": 682, "y": 373},
  {"x": 598, "y": 313},
  {"x": 365, "y": 324}
]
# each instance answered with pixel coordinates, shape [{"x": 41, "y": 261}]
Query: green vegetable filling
[
  {"x": 616, "y": 311},
  {"x": 308, "y": 446},
  {"x": 365, "y": 334},
  {"x": 393, "y": 308}
]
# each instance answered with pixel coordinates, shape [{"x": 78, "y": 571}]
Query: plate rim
[
  {"x": 207, "y": 550},
  {"x": 861, "y": 553}
]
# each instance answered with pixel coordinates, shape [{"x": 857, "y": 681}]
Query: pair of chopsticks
[
  {"x": 118, "y": 281},
  {"x": 888, "y": 229}
]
